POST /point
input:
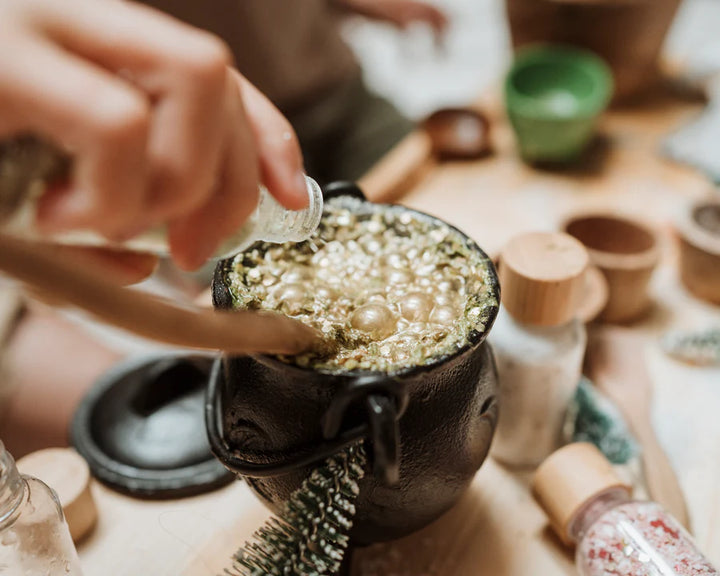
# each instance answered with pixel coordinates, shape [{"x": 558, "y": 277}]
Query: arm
[{"x": 46, "y": 366}]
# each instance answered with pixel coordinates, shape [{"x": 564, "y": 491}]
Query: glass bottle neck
[
  {"x": 594, "y": 509},
  {"x": 272, "y": 222},
  {"x": 12, "y": 486},
  {"x": 275, "y": 223}
]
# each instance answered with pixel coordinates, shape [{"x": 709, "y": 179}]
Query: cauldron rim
[{"x": 223, "y": 300}]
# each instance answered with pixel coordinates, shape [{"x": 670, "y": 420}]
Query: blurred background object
[
  {"x": 458, "y": 133},
  {"x": 554, "y": 96},
  {"x": 477, "y": 49},
  {"x": 629, "y": 34},
  {"x": 698, "y": 230},
  {"x": 695, "y": 143},
  {"x": 626, "y": 251}
]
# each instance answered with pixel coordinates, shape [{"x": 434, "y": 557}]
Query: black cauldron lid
[{"x": 141, "y": 428}]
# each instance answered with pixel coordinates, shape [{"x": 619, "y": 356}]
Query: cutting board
[{"x": 496, "y": 529}]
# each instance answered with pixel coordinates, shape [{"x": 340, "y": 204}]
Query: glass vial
[
  {"x": 538, "y": 344},
  {"x": 539, "y": 369},
  {"x": 34, "y": 537},
  {"x": 27, "y": 164},
  {"x": 591, "y": 509}
]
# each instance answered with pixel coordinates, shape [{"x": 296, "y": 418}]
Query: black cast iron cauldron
[{"x": 429, "y": 428}]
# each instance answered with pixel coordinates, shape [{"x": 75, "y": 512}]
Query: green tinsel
[
  {"x": 309, "y": 535},
  {"x": 595, "y": 419}
]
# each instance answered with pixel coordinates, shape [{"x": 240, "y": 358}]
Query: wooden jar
[
  {"x": 699, "y": 235},
  {"x": 626, "y": 251},
  {"x": 628, "y": 34}
]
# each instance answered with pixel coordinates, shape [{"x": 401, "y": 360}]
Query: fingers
[
  {"x": 194, "y": 238},
  {"x": 187, "y": 137},
  {"x": 253, "y": 123},
  {"x": 181, "y": 68},
  {"x": 153, "y": 118},
  {"x": 107, "y": 132},
  {"x": 281, "y": 163}
]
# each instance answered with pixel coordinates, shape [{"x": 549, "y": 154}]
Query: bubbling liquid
[{"x": 387, "y": 288}]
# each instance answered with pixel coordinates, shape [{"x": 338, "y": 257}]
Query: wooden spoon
[
  {"x": 70, "y": 281},
  {"x": 447, "y": 134},
  {"x": 615, "y": 363}
]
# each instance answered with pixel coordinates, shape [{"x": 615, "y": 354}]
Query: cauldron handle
[
  {"x": 238, "y": 464},
  {"x": 385, "y": 400},
  {"x": 385, "y": 433}
]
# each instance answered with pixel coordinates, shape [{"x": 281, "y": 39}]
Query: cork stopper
[
  {"x": 67, "y": 473},
  {"x": 542, "y": 277},
  {"x": 568, "y": 479}
]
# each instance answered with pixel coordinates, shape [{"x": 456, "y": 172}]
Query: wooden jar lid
[
  {"x": 698, "y": 228},
  {"x": 66, "y": 472},
  {"x": 568, "y": 479},
  {"x": 542, "y": 277}
]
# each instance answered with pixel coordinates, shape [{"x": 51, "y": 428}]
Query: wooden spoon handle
[
  {"x": 616, "y": 363},
  {"x": 399, "y": 169},
  {"x": 662, "y": 482},
  {"x": 238, "y": 332}
]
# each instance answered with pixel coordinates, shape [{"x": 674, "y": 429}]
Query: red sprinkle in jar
[{"x": 590, "y": 507}]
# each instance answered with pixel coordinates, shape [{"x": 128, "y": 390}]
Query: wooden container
[
  {"x": 458, "y": 133},
  {"x": 66, "y": 472},
  {"x": 699, "y": 235},
  {"x": 626, "y": 252},
  {"x": 543, "y": 278},
  {"x": 628, "y": 34}
]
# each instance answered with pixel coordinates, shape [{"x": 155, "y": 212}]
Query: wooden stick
[
  {"x": 238, "y": 332},
  {"x": 615, "y": 363},
  {"x": 399, "y": 169}
]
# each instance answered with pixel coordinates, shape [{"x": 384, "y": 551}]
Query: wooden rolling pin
[{"x": 71, "y": 282}]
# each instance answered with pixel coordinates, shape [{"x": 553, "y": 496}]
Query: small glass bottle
[
  {"x": 34, "y": 537},
  {"x": 591, "y": 508},
  {"x": 538, "y": 343},
  {"x": 28, "y": 164}
]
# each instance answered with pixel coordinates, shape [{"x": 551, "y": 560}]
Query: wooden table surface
[{"x": 496, "y": 529}]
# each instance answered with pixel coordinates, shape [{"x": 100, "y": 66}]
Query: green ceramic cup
[{"x": 554, "y": 96}]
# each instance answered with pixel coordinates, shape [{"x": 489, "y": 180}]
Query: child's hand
[{"x": 161, "y": 129}]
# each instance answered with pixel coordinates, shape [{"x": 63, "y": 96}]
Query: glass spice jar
[
  {"x": 590, "y": 507},
  {"x": 34, "y": 537},
  {"x": 538, "y": 342}
]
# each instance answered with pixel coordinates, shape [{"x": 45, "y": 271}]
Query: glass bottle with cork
[
  {"x": 538, "y": 342},
  {"x": 34, "y": 537},
  {"x": 591, "y": 508},
  {"x": 28, "y": 164}
]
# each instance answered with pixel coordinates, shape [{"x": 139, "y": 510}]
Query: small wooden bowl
[
  {"x": 626, "y": 252},
  {"x": 698, "y": 230},
  {"x": 595, "y": 297},
  {"x": 458, "y": 133}
]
